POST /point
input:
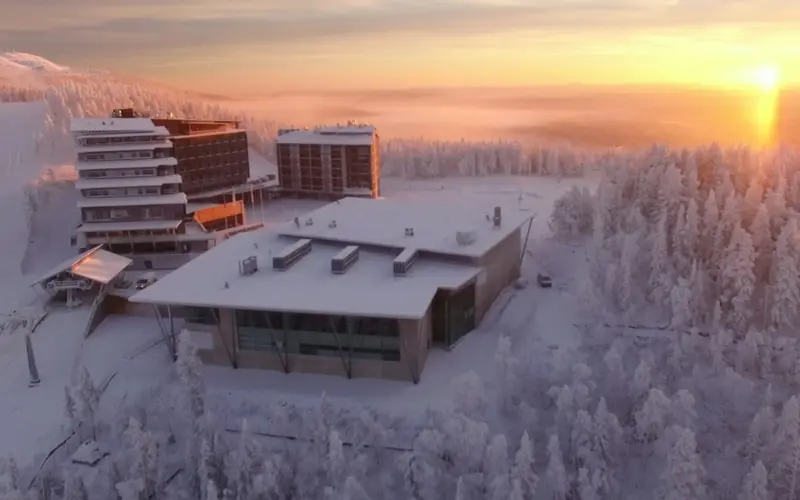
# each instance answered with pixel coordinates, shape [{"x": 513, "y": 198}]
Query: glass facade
[
  {"x": 453, "y": 315},
  {"x": 319, "y": 335}
]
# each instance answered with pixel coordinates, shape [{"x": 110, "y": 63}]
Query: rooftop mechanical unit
[
  {"x": 248, "y": 266},
  {"x": 342, "y": 261},
  {"x": 291, "y": 254},
  {"x": 403, "y": 262}
]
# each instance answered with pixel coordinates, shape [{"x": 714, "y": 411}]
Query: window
[
  {"x": 153, "y": 213},
  {"x": 118, "y": 213},
  {"x": 97, "y": 215}
]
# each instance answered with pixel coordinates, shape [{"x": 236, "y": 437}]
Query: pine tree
[
  {"x": 785, "y": 289},
  {"x": 523, "y": 472},
  {"x": 189, "y": 369},
  {"x": 754, "y": 486},
  {"x": 787, "y": 445},
  {"x": 353, "y": 490},
  {"x": 691, "y": 231},
  {"x": 652, "y": 417},
  {"x": 659, "y": 282},
  {"x": 506, "y": 365},
  {"x": 710, "y": 223},
  {"x": 685, "y": 475},
  {"x": 738, "y": 278},
  {"x": 556, "y": 473},
  {"x": 608, "y": 434},
  {"x": 88, "y": 399},
  {"x": 70, "y": 410},
  {"x": 74, "y": 489}
]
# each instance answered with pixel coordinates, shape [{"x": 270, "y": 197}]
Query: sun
[{"x": 767, "y": 78}]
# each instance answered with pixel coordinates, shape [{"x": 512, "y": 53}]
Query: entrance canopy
[{"x": 98, "y": 265}]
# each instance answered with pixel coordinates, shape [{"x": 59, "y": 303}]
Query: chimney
[{"x": 498, "y": 219}]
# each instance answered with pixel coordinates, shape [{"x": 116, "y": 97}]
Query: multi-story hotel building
[
  {"x": 127, "y": 180},
  {"x": 330, "y": 162},
  {"x": 132, "y": 197}
]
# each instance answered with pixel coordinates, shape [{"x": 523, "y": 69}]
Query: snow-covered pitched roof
[
  {"x": 95, "y": 264},
  {"x": 368, "y": 288},
  {"x": 120, "y": 182},
  {"x": 113, "y": 148},
  {"x": 144, "y": 225},
  {"x": 133, "y": 201},
  {"x": 383, "y": 223},
  {"x": 102, "y": 266},
  {"x": 126, "y": 164},
  {"x": 111, "y": 125},
  {"x": 334, "y": 139}
]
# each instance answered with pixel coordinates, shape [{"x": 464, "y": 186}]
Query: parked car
[
  {"x": 544, "y": 281},
  {"x": 146, "y": 280}
]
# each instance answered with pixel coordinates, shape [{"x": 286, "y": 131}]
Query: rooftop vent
[
  {"x": 498, "y": 218},
  {"x": 464, "y": 238},
  {"x": 309, "y": 222},
  {"x": 332, "y": 224},
  {"x": 291, "y": 254},
  {"x": 248, "y": 266},
  {"x": 409, "y": 231},
  {"x": 403, "y": 262},
  {"x": 342, "y": 261}
]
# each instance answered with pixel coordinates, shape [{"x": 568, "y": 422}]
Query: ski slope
[{"x": 20, "y": 166}]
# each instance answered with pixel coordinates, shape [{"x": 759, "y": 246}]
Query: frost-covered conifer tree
[
  {"x": 608, "y": 434},
  {"x": 659, "y": 282},
  {"x": 88, "y": 399},
  {"x": 642, "y": 380},
  {"x": 581, "y": 445},
  {"x": 710, "y": 223},
  {"x": 70, "y": 408},
  {"x": 523, "y": 472},
  {"x": 495, "y": 467},
  {"x": 754, "y": 486},
  {"x": 787, "y": 446},
  {"x": 74, "y": 488},
  {"x": 506, "y": 365},
  {"x": 685, "y": 475},
  {"x": 652, "y": 417},
  {"x": 785, "y": 290},
  {"x": 556, "y": 474},
  {"x": 738, "y": 278}
]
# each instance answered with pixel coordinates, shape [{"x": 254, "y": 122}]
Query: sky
[{"x": 249, "y": 47}]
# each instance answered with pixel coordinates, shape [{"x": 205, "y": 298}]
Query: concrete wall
[
  {"x": 412, "y": 354},
  {"x": 501, "y": 267}
]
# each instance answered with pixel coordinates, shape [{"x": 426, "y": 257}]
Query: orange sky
[{"x": 255, "y": 46}]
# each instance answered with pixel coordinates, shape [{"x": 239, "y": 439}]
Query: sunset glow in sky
[{"x": 252, "y": 46}]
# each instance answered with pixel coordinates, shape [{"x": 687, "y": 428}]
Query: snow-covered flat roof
[
  {"x": 368, "y": 288},
  {"x": 121, "y": 182},
  {"x": 383, "y": 223},
  {"x": 145, "y": 225},
  {"x": 112, "y": 125},
  {"x": 112, "y": 148},
  {"x": 126, "y": 164},
  {"x": 133, "y": 201},
  {"x": 95, "y": 264},
  {"x": 315, "y": 137}
]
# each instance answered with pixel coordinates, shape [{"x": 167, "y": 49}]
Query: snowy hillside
[{"x": 20, "y": 61}]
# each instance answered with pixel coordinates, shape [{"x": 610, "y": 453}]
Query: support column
[
  {"x": 348, "y": 366},
  {"x": 164, "y": 334},
  {"x": 281, "y": 353}
]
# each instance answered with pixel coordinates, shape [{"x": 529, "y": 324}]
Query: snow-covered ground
[{"x": 124, "y": 345}]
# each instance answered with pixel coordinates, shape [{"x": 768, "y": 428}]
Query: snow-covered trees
[
  {"x": 684, "y": 476},
  {"x": 573, "y": 213},
  {"x": 754, "y": 486}
]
